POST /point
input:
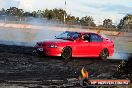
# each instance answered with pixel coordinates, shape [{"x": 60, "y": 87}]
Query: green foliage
[
  {"x": 48, "y": 14},
  {"x": 62, "y": 16},
  {"x": 13, "y": 11},
  {"x": 107, "y": 23},
  {"x": 126, "y": 23},
  {"x": 57, "y": 14},
  {"x": 87, "y": 21}
]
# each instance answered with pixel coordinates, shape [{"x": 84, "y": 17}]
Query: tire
[
  {"x": 34, "y": 53},
  {"x": 66, "y": 53},
  {"x": 104, "y": 54}
]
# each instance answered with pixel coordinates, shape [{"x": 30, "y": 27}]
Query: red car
[{"x": 77, "y": 44}]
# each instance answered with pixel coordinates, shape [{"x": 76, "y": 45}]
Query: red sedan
[{"x": 77, "y": 44}]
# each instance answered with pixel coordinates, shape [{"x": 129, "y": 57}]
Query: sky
[{"x": 98, "y": 9}]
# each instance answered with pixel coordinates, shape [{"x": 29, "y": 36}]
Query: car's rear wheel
[
  {"x": 66, "y": 53},
  {"x": 104, "y": 54}
]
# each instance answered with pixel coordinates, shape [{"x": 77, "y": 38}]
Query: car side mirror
[{"x": 107, "y": 39}]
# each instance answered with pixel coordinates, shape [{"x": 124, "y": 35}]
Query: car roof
[{"x": 83, "y": 32}]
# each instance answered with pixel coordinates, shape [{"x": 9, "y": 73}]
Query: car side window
[
  {"x": 95, "y": 38},
  {"x": 75, "y": 35},
  {"x": 87, "y": 37}
]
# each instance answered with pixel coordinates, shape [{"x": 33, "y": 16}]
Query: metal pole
[{"x": 64, "y": 13}]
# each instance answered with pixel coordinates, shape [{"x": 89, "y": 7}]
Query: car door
[
  {"x": 95, "y": 45},
  {"x": 82, "y": 46}
]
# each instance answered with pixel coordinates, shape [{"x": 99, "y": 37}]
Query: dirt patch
[{"x": 20, "y": 69}]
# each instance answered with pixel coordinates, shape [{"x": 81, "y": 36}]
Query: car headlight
[{"x": 52, "y": 46}]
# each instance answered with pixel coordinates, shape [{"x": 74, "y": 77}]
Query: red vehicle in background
[{"x": 76, "y": 44}]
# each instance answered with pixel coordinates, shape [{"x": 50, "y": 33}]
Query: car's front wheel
[
  {"x": 35, "y": 53},
  {"x": 104, "y": 54},
  {"x": 66, "y": 53}
]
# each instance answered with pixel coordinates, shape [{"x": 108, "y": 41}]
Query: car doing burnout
[{"x": 76, "y": 44}]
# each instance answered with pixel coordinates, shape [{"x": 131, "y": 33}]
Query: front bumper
[{"x": 48, "y": 51}]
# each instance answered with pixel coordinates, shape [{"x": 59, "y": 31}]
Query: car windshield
[
  {"x": 68, "y": 35},
  {"x": 106, "y": 37}
]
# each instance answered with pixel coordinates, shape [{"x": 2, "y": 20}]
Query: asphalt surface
[{"x": 20, "y": 69}]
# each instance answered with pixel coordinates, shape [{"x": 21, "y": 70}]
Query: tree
[
  {"x": 39, "y": 13},
  {"x": 13, "y": 11},
  {"x": 107, "y": 23},
  {"x": 26, "y": 14},
  {"x": 126, "y": 23},
  {"x": 59, "y": 14},
  {"x": 71, "y": 19},
  {"x": 55, "y": 14},
  {"x": 2, "y": 11},
  {"x": 87, "y": 21},
  {"x": 34, "y": 14},
  {"x": 120, "y": 25},
  {"x": 48, "y": 14}
]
